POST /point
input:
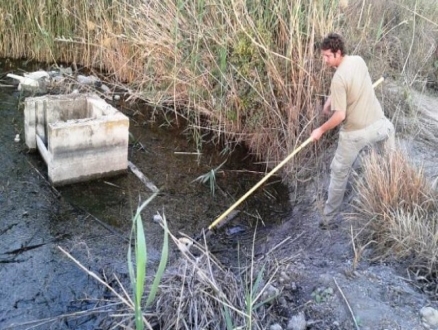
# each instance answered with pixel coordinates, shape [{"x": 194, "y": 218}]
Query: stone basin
[{"x": 79, "y": 136}]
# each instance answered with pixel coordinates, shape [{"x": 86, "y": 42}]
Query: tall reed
[
  {"x": 248, "y": 71},
  {"x": 244, "y": 70}
]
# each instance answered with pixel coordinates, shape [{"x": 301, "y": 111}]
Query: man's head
[{"x": 333, "y": 49}]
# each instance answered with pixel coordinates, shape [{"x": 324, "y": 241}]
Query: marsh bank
[{"x": 92, "y": 220}]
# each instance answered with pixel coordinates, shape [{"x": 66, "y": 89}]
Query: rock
[
  {"x": 157, "y": 218},
  {"x": 297, "y": 322},
  {"x": 276, "y": 326},
  {"x": 325, "y": 279},
  {"x": 270, "y": 293},
  {"x": 184, "y": 244},
  {"x": 105, "y": 89},
  {"x": 429, "y": 316},
  {"x": 24, "y": 81},
  {"x": 37, "y": 75},
  {"x": 89, "y": 80},
  {"x": 66, "y": 71},
  {"x": 293, "y": 287}
]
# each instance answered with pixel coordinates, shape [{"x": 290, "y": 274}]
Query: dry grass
[
  {"x": 195, "y": 292},
  {"x": 247, "y": 71},
  {"x": 397, "y": 209},
  {"x": 198, "y": 292}
]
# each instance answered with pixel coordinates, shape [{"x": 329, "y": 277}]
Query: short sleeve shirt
[{"x": 352, "y": 91}]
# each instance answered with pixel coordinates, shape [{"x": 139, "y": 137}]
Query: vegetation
[
  {"x": 397, "y": 211},
  {"x": 248, "y": 71},
  {"x": 199, "y": 292},
  {"x": 138, "y": 276}
]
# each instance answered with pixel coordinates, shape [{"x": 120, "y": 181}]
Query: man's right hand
[{"x": 326, "y": 109}]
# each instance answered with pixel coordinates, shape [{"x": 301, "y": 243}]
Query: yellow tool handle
[
  {"x": 267, "y": 176},
  {"x": 377, "y": 82},
  {"x": 297, "y": 150}
]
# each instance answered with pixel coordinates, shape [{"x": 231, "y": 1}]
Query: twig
[
  {"x": 283, "y": 242},
  {"x": 40, "y": 322},
  {"x": 54, "y": 191},
  {"x": 111, "y": 184},
  {"x": 187, "y": 153},
  {"x": 100, "y": 222},
  {"x": 97, "y": 278},
  {"x": 148, "y": 183},
  {"x": 348, "y": 305},
  {"x": 412, "y": 40}
]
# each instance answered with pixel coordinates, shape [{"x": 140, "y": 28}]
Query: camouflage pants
[{"x": 349, "y": 146}]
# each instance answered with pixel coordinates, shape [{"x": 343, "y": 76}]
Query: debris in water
[{"x": 235, "y": 230}]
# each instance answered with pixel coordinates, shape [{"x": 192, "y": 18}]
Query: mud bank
[{"x": 41, "y": 287}]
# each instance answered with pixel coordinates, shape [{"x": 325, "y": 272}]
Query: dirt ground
[
  {"x": 320, "y": 279},
  {"x": 331, "y": 286}
]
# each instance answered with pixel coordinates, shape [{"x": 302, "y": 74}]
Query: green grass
[
  {"x": 210, "y": 178},
  {"x": 137, "y": 264}
]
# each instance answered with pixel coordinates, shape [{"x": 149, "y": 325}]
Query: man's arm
[
  {"x": 337, "y": 118},
  {"x": 326, "y": 109}
]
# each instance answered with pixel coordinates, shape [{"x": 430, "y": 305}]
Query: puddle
[{"x": 92, "y": 220}]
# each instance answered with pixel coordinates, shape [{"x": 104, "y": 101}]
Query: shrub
[{"x": 396, "y": 209}]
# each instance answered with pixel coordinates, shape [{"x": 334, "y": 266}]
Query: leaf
[{"x": 161, "y": 266}]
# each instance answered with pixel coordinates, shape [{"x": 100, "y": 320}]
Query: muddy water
[{"x": 43, "y": 289}]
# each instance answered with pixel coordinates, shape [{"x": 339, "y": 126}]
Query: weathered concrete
[{"x": 79, "y": 136}]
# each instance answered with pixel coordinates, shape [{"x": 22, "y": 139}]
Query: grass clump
[
  {"x": 137, "y": 264},
  {"x": 198, "y": 292},
  {"x": 396, "y": 209}
]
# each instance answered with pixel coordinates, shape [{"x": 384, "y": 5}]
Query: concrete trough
[{"x": 79, "y": 136}]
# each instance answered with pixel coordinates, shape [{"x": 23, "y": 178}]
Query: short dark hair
[{"x": 334, "y": 42}]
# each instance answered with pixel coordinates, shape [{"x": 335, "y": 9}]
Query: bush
[{"x": 396, "y": 209}]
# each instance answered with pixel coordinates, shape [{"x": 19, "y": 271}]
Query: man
[{"x": 352, "y": 103}]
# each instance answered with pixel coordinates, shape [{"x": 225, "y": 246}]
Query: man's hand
[
  {"x": 326, "y": 110},
  {"x": 336, "y": 118},
  {"x": 316, "y": 134}
]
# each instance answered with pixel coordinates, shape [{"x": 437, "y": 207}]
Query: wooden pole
[
  {"x": 297, "y": 150},
  {"x": 267, "y": 176}
]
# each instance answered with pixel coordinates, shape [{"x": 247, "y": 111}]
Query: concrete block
[{"x": 79, "y": 136}]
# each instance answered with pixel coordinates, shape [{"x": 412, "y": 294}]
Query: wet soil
[
  {"x": 41, "y": 287},
  {"x": 326, "y": 282}
]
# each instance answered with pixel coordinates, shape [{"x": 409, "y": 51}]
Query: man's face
[{"x": 331, "y": 59}]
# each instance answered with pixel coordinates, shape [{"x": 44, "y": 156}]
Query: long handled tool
[
  {"x": 297, "y": 150},
  {"x": 266, "y": 177}
]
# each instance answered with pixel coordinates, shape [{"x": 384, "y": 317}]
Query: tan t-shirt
[{"x": 352, "y": 91}]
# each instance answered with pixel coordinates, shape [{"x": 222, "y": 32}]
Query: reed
[
  {"x": 248, "y": 71},
  {"x": 137, "y": 264}
]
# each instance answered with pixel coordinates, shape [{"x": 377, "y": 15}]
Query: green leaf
[
  {"x": 139, "y": 276},
  {"x": 161, "y": 266}
]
